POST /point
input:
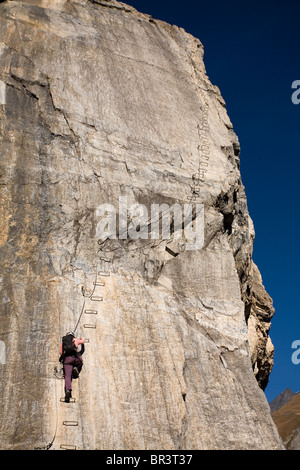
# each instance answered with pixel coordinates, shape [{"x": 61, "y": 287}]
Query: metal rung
[
  {"x": 104, "y": 273},
  {"x": 91, "y": 312},
  {"x": 67, "y": 447},
  {"x": 86, "y": 325},
  {"x": 97, "y": 299},
  {"x": 70, "y": 423},
  {"x": 72, "y": 400},
  {"x": 106, "y": 260},
  {"x": 99, "y": 283},
  {"x": 86, "y": 340}
]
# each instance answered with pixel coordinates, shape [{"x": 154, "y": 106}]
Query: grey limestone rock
[{"x": 98, "y": 102}]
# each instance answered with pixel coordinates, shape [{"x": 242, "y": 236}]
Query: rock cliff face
[{"x": 101, "y": 105}]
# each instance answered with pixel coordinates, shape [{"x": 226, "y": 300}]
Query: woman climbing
[{"x": 71, "y": 359}]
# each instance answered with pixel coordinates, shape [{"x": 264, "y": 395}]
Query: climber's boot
[{"x": 68, "y": 396}]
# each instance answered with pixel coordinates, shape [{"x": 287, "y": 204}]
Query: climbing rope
[
  {"x": 82, "y": 310},
  {"x": 48, "y": 446},
  {"x": 89, "y": 295}
]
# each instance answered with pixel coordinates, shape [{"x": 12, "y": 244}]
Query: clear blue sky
[{"x": 252, "y": 53}]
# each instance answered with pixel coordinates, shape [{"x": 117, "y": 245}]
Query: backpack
[{"x": 68, "y": 347}]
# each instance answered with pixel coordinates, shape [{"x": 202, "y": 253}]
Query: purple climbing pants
[{"x": 69, "y": 362}]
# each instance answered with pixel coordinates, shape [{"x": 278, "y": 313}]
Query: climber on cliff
[{"x": 71, "y": 359}]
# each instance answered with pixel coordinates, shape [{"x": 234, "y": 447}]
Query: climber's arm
[{"x": 81, "y": 350}]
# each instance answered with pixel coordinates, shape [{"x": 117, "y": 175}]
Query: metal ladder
[
  {"x": 71, "y": 423},
  {"x": 203, "y": 152}
]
